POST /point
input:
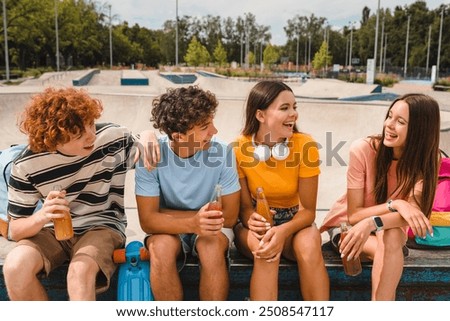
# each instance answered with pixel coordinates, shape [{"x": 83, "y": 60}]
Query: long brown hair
[
  {"x": 420, "y": 157},
  {"x": 260, "y": 97}
]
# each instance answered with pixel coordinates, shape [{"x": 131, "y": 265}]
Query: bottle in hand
[
  {"x": 352, "y": 267},
  {"x": 63, "y": 226},
  {"x": 262, "y": 206},
  {"x": 215, "y": 204}
]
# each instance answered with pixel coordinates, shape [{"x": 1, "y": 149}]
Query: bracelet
[{"x": 389, "y": 206}]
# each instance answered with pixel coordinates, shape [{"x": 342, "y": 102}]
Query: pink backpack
[
  {"x": 441, "y": 207},
  {"x": 440, "y": 215}
]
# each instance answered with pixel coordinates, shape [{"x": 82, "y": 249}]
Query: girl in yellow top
[{"x": 272, "y": 154}]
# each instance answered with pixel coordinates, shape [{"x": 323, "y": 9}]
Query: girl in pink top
[{"x": 391, "y": 181}]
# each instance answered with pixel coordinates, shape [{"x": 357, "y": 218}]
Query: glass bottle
[
  {"x": 63, "y": 226},
  {"x": 351, "y": 267},
  {"x": 215, "y": 204},
  {"x": 262, "y": 206},
  {"x": 3, "y": 228}
]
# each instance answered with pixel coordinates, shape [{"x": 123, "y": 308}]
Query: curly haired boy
[
  {"x": 90, "y": 161},
  {"x": 172, "y": 199}
]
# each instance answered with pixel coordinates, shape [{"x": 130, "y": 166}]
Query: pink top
[{"x": 360, "y": 175}]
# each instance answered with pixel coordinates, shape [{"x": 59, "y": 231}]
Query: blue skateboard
[{"x": 134, "y": 273}]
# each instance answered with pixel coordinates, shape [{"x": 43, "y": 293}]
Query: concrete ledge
[
  {"x": 441, "y": 88},
  {"x": 84, "y": 79},
  {"x": 180, "y": 78},
  {"x": 133, "y": 78},
  {"x": 426, "y": 277},
  {"x": 445, "y": 126}
]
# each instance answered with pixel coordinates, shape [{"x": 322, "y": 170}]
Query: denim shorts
[
  {"x": 282, "y": 215},
  {"x": 335, "y": 236}
]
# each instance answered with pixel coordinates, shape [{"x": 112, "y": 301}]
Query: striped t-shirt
[{"x": 95, "y": 184}]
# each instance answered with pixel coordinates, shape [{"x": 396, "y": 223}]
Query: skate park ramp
[
  {"x": 335, "y": 89},
  {"x": 333, "y": 123}
]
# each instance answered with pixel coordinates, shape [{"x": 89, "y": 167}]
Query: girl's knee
[
  {"x": 308, "y": 239},
  {"x": 394, "y": 239}
]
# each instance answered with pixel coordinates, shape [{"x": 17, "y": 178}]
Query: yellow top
[{"x": 279, "y": 178}]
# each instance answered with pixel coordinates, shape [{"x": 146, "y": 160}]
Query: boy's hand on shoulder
[{"x": 148, "y": 149}]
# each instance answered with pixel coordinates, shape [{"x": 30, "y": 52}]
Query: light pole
[
  {"x": 298, "y": 40},
  {"x": 406, "y": 47},
  {"x": 110, "y": 40},
  {"x": 176, "y": 34},
  {"x": 306, "y": 50},
  {"x": 381, "y": 46},
  {"x": 57, "y": 36},
  {"x": 247, "y": 47},
  {"x": 261, "y": 55},
  {"x": 439, "y": 45},
  {"x": 5, "y": 29},
  {"x": 376, "y": 42},
  {"x": 346, "y": 52},
  {"x": 309, "y": 53},
  {"x": 328, "y": 43},
  {"x": 242, "y": 49},
  {"x": 428, "y": 50},
  {"x": 385, "y": 50},
  {"x": 350, "y": 48}
]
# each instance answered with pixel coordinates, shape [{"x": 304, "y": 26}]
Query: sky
[{"x": 274, "y": 13}]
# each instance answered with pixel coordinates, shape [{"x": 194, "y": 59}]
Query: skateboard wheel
[
  {"x": 119, "y": 256},
  {"x": 143, "y": 254}
]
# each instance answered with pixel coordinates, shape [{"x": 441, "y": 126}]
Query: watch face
[{"x": 378, "y": 222}]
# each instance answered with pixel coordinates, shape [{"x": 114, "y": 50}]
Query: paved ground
[{"x": 334, "y": 124}]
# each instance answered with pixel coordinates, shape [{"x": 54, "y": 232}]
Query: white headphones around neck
[{"x": 280, "y": 151}]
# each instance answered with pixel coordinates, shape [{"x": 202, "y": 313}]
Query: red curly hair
[{"x": 55, "y": 116}]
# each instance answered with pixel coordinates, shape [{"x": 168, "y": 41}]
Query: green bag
[{"x": 441, "y": 237}]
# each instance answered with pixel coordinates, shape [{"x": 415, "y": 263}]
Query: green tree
[
  {"x": 271, "y": 55},
  {"x": 220, "y": 55},
  {"x": 81, "y": 33},
  {"x": 84, "y": 36},
  {"x": 322, "y": 58},
  {"x": 28, "y": 33},
  {"x": 251, "y": 58},
  {"x": 211, "y": 31},
  {"x": 197, "y": 54},
  {"x": 309, "y": 30},
  {"x": 126, "y": 51}
]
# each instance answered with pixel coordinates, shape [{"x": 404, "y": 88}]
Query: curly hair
[
  {"x": 55, "y": 116},
  {"x": 180, "y": 109}
]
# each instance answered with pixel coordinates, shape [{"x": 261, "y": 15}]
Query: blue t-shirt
[{"x": 188, "y": 183}]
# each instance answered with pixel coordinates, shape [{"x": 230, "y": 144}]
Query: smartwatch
[{"x": 378, "y": 223}]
